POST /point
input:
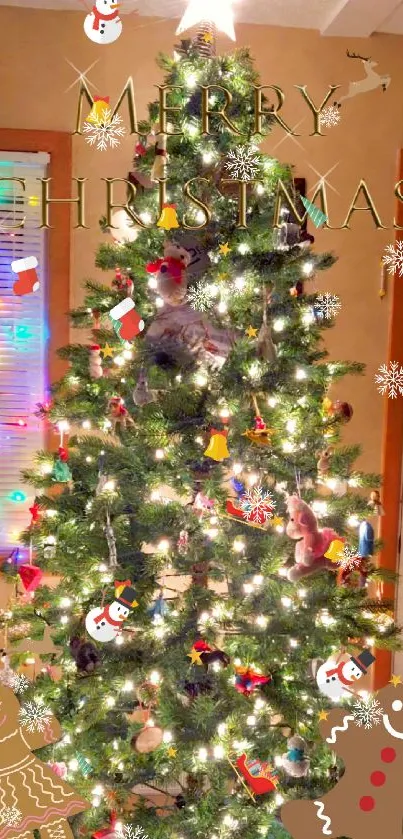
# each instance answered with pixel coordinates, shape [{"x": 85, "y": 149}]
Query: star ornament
[
  {"x": 172, "y": 752},
  {"x": 251, "y": 332},
  {"x": 224, "y": 249},
  {"x": 219, "y": 12},
  {"x": 395, "y": 681},
  {"x": 207, "y": 38},
  {"x": 323, "y": 715},
  {"x": 107, "y": 351},
  {"x": 194, "y": 656}
]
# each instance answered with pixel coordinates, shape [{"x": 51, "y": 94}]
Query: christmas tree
[{"x": 199, "y": 483}]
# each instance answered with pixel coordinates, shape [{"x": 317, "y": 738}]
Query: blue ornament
[
  {"x": 159, "y": 608},
  {"x": 238, "y": 486},
  {"x": 366, "y": 539},
  {"x": 295, "y": 755}
]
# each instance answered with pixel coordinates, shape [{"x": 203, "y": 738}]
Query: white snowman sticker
[
  {"x": 105, "y": 623},
  {"x": 103, "y": 25},
  {"x": 337, "y": 680}
]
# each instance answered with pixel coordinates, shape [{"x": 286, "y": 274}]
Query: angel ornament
[{"x": 33, "y": 797}]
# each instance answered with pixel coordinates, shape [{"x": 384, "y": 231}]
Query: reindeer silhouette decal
[{"x": 371, "y": 81}]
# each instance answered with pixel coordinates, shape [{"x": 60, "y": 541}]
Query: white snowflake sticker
[
  {"x": 128, "y": 831},
  {"x": 242, "y": 164},
  {"x": 257, "y": 505},
  {"x": 394, "y": 258},
  {"x": 367, "y": 712},
  {"x": 328, "y": 304},
  {"x": 390, "y": 379},
  {"x": 34, "y": 716},
  {"x": 20, "y": 683},
  {"x": 330, "y": 116},
  {"x": 104, "y": 130},
  {"x": 10, "y": 816},
  {"x": 200, "y": 297},
  {"x": 348, "y": 559}
]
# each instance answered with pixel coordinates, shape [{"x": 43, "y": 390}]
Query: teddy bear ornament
[
  {"x": 311, "y": 542},
  {"x": 170, "y": 271}
]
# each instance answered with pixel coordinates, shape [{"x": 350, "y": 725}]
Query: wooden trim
[
  {"x": 392, "y": 453},
  {"x": 59, "y": 146}
]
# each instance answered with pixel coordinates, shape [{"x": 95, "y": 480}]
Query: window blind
[{"x": 23, "y": 336}]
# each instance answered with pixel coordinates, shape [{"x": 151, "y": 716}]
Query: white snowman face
[
  {"x": 118, "y": 612},
  {"x": 106, "y": 6},
  {"x": 397, "y": 706},
  {"x": 352, "y": 671}
]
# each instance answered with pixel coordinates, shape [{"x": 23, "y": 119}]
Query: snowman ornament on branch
[{"x": 103, "y": 24}]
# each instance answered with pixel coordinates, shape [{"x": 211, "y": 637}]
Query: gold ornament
[
  {"x": 168, "y": 218},
  {"x": 224, "y": 249},
  {"x": 251, "y": 332},
  {"x": 217, "y": 448}
]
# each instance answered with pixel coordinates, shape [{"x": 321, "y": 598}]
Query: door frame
[{"x": 392, "y": 454}]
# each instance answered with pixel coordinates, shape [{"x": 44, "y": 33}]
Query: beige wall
[{"x": 34, "y": 76}]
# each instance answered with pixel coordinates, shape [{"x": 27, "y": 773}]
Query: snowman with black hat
[{"x": 105, "y": 623}]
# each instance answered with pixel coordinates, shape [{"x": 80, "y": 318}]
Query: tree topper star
[
  {"x": 194, "y": 656},
  {"x": 224, "y": 249},
  {"x": 219, "y": 12}
]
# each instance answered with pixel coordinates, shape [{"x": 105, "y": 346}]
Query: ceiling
[{"x": 358, "y": 18}]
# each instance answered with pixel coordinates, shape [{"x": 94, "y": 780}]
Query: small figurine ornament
[
  {"x": 209, "y": 656},
  {"x": 161, "y": 158},
  {"x": 324, "y": 461},
  {"x": 118, "y": 414},
  {"x": 142, "y": 395},
  {"x": 260, "y": 776},
  {"x": 366, "y": 539},
  {"x": 375, "y": 502},
  {"x": 260, "y": 435},
  {"x": 123, "y": 283},
  {"x": 85, "y": 655},
  {"x": 311, "y": 543},
  {"x": 95, "y": 362},
  {"x": 295, "y": 762},
  {"x": 106, "y": 623},
  {"x": 32, "y": 794},
  {"x": 247, "y": 679},
  {"x": 61, "y": 473}
]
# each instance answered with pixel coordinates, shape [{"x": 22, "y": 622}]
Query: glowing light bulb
[
  {"x": 251, "y": 720},
  {"x": 191, "y": 80},
  {"x": 272, "y": 401},
  {"x": 86, "y": 424},
  {"x": 110, "y": 701},
  {"x": 63, "y": 425},
  {"x": 237, "y": 468},
  {"x": 159, "y": 454},
  {"x": 243, "y": 248},
  {"x": 159, "y": 302},
  {"x": 218, "y": 752},
  {"x": 261, "y": 620},
  {"x": 294, "y": 642},
  {"x": 155, "y": 677},
  {"x": 64, "y": 619},
  {"x": 201, "y": 379},
  {"x": 252, "y": 479},
  {"x": 278, "y": 324},
  {"x": 222, "y": 307},
  {"x": 128, "y": 686},
  {"x": 146, "y": 217},
  {"x": 238, "y": 545},
  {"x": 239, "y": 283},
  {"x": 73, "y": 764},
  {"x": 207, "y": 156},
  {"x": 152, "y": 283},
  {"x": 300, "y": 374},
  {"x": 65, "y": 602},
  {"x": 167, "y": 737},
  {"x": 163, "y": 546},
  {"x": 287, "y": 602},
  {"x": 307, "y": 268},
  {"x": 291, "y": 425},
  {"x": 203, "y": 754}
]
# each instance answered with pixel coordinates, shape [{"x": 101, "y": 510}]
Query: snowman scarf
[
  {"x": 106, "y": 616},
  {"x": 99, "y": 16}
]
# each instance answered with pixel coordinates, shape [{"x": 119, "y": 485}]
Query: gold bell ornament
[
  {"x": 168, "y": 218},
  {"x": 100, "y": 107},
  {"x": 217, "y": 448}
]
